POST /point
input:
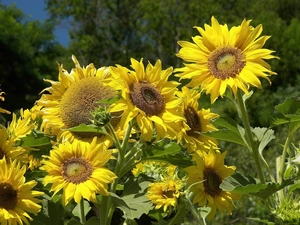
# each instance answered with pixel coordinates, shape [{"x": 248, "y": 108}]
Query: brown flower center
[
  {"x": 193, "y": 120},
  {"x": 76, "y": 170},
  {"x": 212, "y": 181},
  {"x": 8, "y": 196},
  {"x": 226, "y": 62},
  {"x": 146, "y": 97},
  {"x": 80, "y": 100}
]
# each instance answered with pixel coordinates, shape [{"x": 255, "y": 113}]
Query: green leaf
[
  {"x": 134, "y": 201},
  {"x": 86, "y": 207},
  {"x": 229, "y": 131},
  {"x": 35, "y": 139},
  {"x": 264, "y": 136},
  {"x": 86, "y": 128},
  {"x": 241, "y": 184},
  {"x": 261, "y": 220},
  {"x": 291, "y": 105}
]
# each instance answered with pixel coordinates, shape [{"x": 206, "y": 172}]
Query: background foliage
[{"x": 109, "y": 32}]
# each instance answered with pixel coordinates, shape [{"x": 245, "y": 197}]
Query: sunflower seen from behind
[
  {"x": 148, "y": 97},
  {"x": 78, "y": 169},
  {"x": 205, "y": 178},
  {"x": 197, "y": 121},
  {"x": 72, "y": 99},
  {"x": 18, "y": 198},
  {"x": 220, "y": 58}
]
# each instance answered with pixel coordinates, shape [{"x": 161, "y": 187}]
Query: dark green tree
[{"x": 28, "y": 54}]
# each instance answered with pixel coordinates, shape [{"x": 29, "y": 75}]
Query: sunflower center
[
  {"x": 8, "y": 196},
  {"x": 226, "y": 62},
  {"x": 193, "y": 120},
  {"x": 80, "y": 100},
  {"x": 212, "y": 181},
  {"x": 76, "y": 170},
  {"x": 146, "y": 97},
  {"x": 169, "y": 194}
]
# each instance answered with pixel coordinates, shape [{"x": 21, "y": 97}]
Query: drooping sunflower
[
  {"x": 17, "y": 197},
  {"x": 206, "y": 177},
  {"x": 78, "y": 170},
  {"x": 72, "y": 99},
  {"x": 222, "y": 58},
  {"x": 197, "y": 121},
  {"x": 147, "y": 96},
  {"x": 164, "y": 193}
]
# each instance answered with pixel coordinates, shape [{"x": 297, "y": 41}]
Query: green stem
[
  {"x": 81, "y": 208},
  {"x": 180, "y": 213},
  {"x": 254, "y": 150},
  {"x": 280, "y": 170}
]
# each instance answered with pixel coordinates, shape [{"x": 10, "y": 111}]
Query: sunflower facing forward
[
  {"x": 148, "y": 96},
  {"x": 222, "y": 58},
  {"x": 17, "y": 198},
  {"x": 206, "y": 177},
  {"x": 78, "y": 169},
  {"x": 72, "y": 99}
]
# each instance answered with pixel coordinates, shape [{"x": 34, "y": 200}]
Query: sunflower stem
[
  {"x": 81, "y": 208},
  {"x": 253, "y": 148},
  {"x": 179, "y": 214}
]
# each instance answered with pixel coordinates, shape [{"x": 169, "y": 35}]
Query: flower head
[
  {"x": 148, "y": 97},
  {"x": 222, "y": 58},
  {"x": 78, "y": 169},
  {"x": 17, "y": 198},
  {"x": 206, "y": 177},
  {"x": 72, "y": 99},
  {"x": 197, "y": 121}
]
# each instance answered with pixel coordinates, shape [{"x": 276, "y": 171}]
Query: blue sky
[{"x": 35, "y": 9}]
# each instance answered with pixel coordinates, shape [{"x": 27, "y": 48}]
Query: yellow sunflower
[
  {"x": 147, "y": 96},
  {"x": 17, "y": 198},
  {"x": 71, "y": 100},
  {"x": 164, "y": 193},
  {"x": 77, "y": 168},
  {"x": 206, "y": 177},
  {"x": 222, "y": 58},
  {"x": 8, "y": 150},
  {"x": 196, "y": 121}
]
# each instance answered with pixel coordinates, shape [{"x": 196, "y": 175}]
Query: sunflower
[
  {"x": 197, "y": 121},
  {"x": 17, "y": 198},
  {"x": 164, "y": 193},
  {"x": 222, "y": 58},
  {"x": 147, "y": 96},
  {"x": 8, "y": 150},
  {"x": 77, "y": 168},
  {"x": 206, "y": 177},
  {"x": 72, "y": 99}
]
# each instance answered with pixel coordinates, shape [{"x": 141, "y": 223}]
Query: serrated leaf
[{"x": 291, "y": 105}]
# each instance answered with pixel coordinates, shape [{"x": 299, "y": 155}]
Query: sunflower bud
[{"x": 100, "y": 116}]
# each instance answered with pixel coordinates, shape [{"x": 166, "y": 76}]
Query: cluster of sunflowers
[{"x": 135, "y": 139}]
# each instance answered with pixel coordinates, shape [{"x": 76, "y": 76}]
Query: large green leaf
[
  {"x": 241, "y": 184},
  {"x": 291, "y": 105},
  {"x": 229, "y": 131},
  {"x": 35, "y": 139},
  {"x": 86, "y": 128}
]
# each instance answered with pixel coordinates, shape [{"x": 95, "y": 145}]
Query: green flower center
[
  {"x": 8, "y": 196},
  {"x": 193, "y": 120},
  {"x": 80, "y": 100},
  {"x": 212, "y": 181},
  {"x": 77, "y": 170},
  {"x": 146, "y": 97},
  {"x": 226, "y": 62}
]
